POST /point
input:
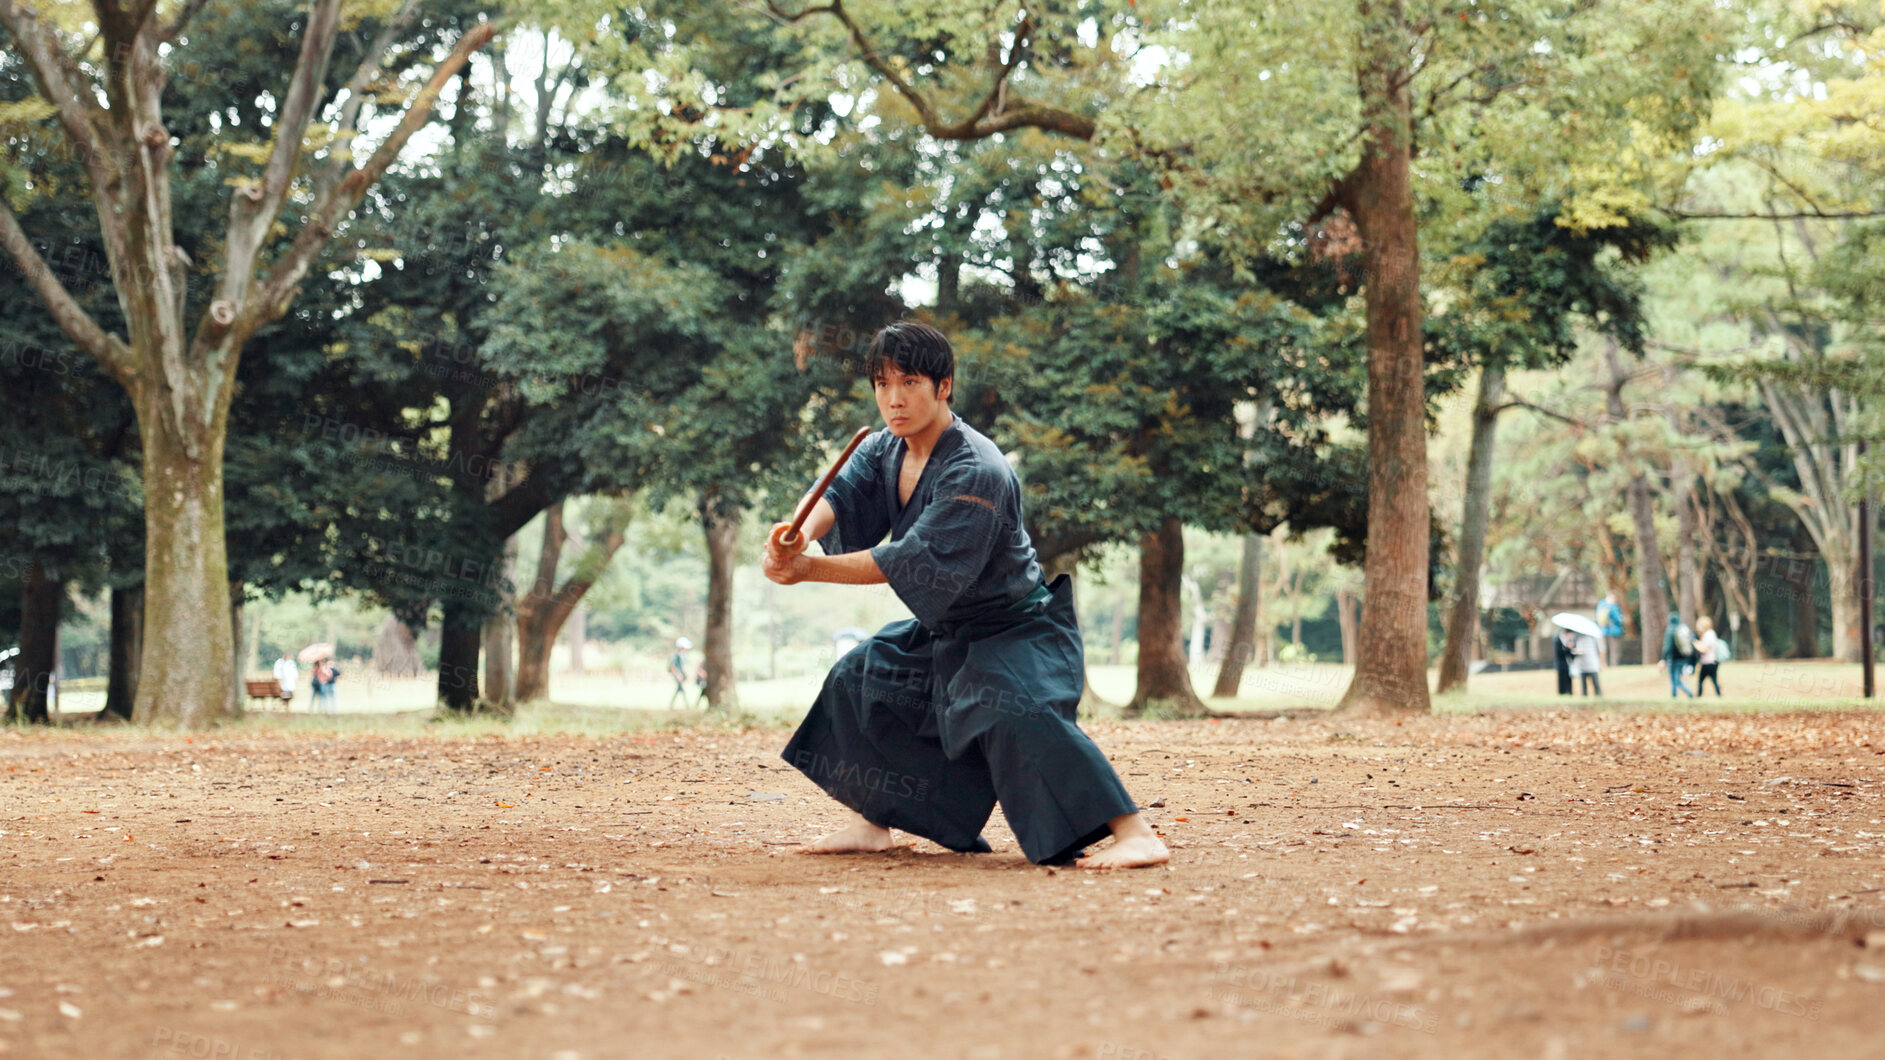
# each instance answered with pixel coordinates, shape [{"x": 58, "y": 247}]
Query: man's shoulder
[{"x": 978, "y": 450}]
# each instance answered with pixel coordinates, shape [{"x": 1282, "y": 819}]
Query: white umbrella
[{"x": 1576, "y": 624}]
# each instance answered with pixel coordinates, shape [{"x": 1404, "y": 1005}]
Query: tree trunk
[
  {"x": 534, "y": 641},
  {"x": 252, "y": 640},
  {"x": 499, "y": 687},
  {"x": 1806, "y": 623},
  {"x": 1119, "y": 631},
  {"x": 1462, "y": 617},
  {"x": 1756, "y": 650},
  {"x": 1242, "y": 648},
  {"x": 1688, "y": 571},
  {"x": 1295, "y": 617},
  {"x": 1163, "y": 680},
  {"x": 1392, "y": 675},
  {"x": 534, "y": 632},
  {"x": 38, "y": 660},
  {"x": 395, "y": 650},
  {"x": 238, "y": 660},
  {"x": 499, "y": 684},
  {"x": 544, "y": 610},
  {"x": 1652, "y": 586},
  {"x": 576, "y": 635},
  {"x": 189, "y": 640},
  {"x": 1843, "y": 592},
  {"x": 1194, "y": 646},
  {"x": 721, "y": 524},
  {"x": 127, "y": 648},
  {"x": 459, "y": 635},
  {"x": 1345, "y": 621}
]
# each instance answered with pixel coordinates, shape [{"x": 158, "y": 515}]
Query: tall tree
[
  {"x": 1464, "y": 92},
  {"x": 180, "y": 375}
]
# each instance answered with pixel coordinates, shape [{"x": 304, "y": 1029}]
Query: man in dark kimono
[{"x": 928, "y": 724}]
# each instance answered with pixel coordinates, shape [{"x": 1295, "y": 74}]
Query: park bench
[{"x": 269, "y": 689}]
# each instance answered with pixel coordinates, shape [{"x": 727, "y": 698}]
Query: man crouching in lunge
[{"x": 925, "y": 726}]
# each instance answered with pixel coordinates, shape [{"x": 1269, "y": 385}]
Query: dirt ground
[{"x": 1521, "y": 885}]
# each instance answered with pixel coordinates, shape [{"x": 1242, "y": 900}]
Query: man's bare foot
[
  {"x": 858, "y": 837},
  {"x": 1135, "y": 846}
]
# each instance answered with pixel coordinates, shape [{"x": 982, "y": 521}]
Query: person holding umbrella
[
  {"x": 1563, "y": 646},
  {"x": 321, "y": 678},
  {"x": 1581, "y": 653}
]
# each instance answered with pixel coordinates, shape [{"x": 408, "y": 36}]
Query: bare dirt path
[{"x": 1510, "y": 885}]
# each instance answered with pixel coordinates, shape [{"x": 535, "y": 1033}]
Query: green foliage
[{"x": 1255, "y": 114}]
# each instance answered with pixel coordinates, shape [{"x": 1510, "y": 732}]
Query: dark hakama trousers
[{"x": 927, "y": 729}]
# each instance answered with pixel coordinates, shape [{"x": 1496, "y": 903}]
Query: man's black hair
[{"x": 910, "y": 346}]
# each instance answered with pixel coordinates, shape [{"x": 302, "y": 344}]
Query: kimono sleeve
[
  {"x": 946, "y": 551},
  {"x": 857, "y": 497}
]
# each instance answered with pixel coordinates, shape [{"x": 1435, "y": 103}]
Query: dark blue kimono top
[{"x": 958, "y": 549}]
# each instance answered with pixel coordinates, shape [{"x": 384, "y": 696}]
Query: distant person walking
[
  {"x": 1586, "y": 661},
  {"x": 677, "y": 669},
  {"x": 1708, "y": 655},
  {"x": 1678, "y": 645},
  {"x": 286, "y": 674},
  {"x": 1563, "y": 649},
  {"x": 1610, "y": 620},
  {"x": 321, "y": 685}
]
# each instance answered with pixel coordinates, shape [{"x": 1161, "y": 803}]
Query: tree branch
[
  {"x": 1340, "y": 194},
  {"x": 988, "y": 119},
  {"x": 1519, "y": 403},
  {"x": 252, "y": 210},
  {"x": 347, "y": 127},
  {"x": 278, "y": 289},
  {"x": 175, "y": 29},
  {"x": 71, "y": 317},
  {"x": 63, "y": 85},
  {"x": 1828, "y": 215},
  {"x": 548, "y": 557}
]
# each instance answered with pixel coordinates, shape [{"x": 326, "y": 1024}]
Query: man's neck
[{"x": 919, "y": 445}]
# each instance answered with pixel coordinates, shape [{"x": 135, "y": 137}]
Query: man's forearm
[
  {"x": 819, "y": 522},
  {"x": 852, "y": 568}
]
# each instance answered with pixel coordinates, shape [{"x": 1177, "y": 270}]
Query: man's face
[{"x": 910, "y": 403}]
